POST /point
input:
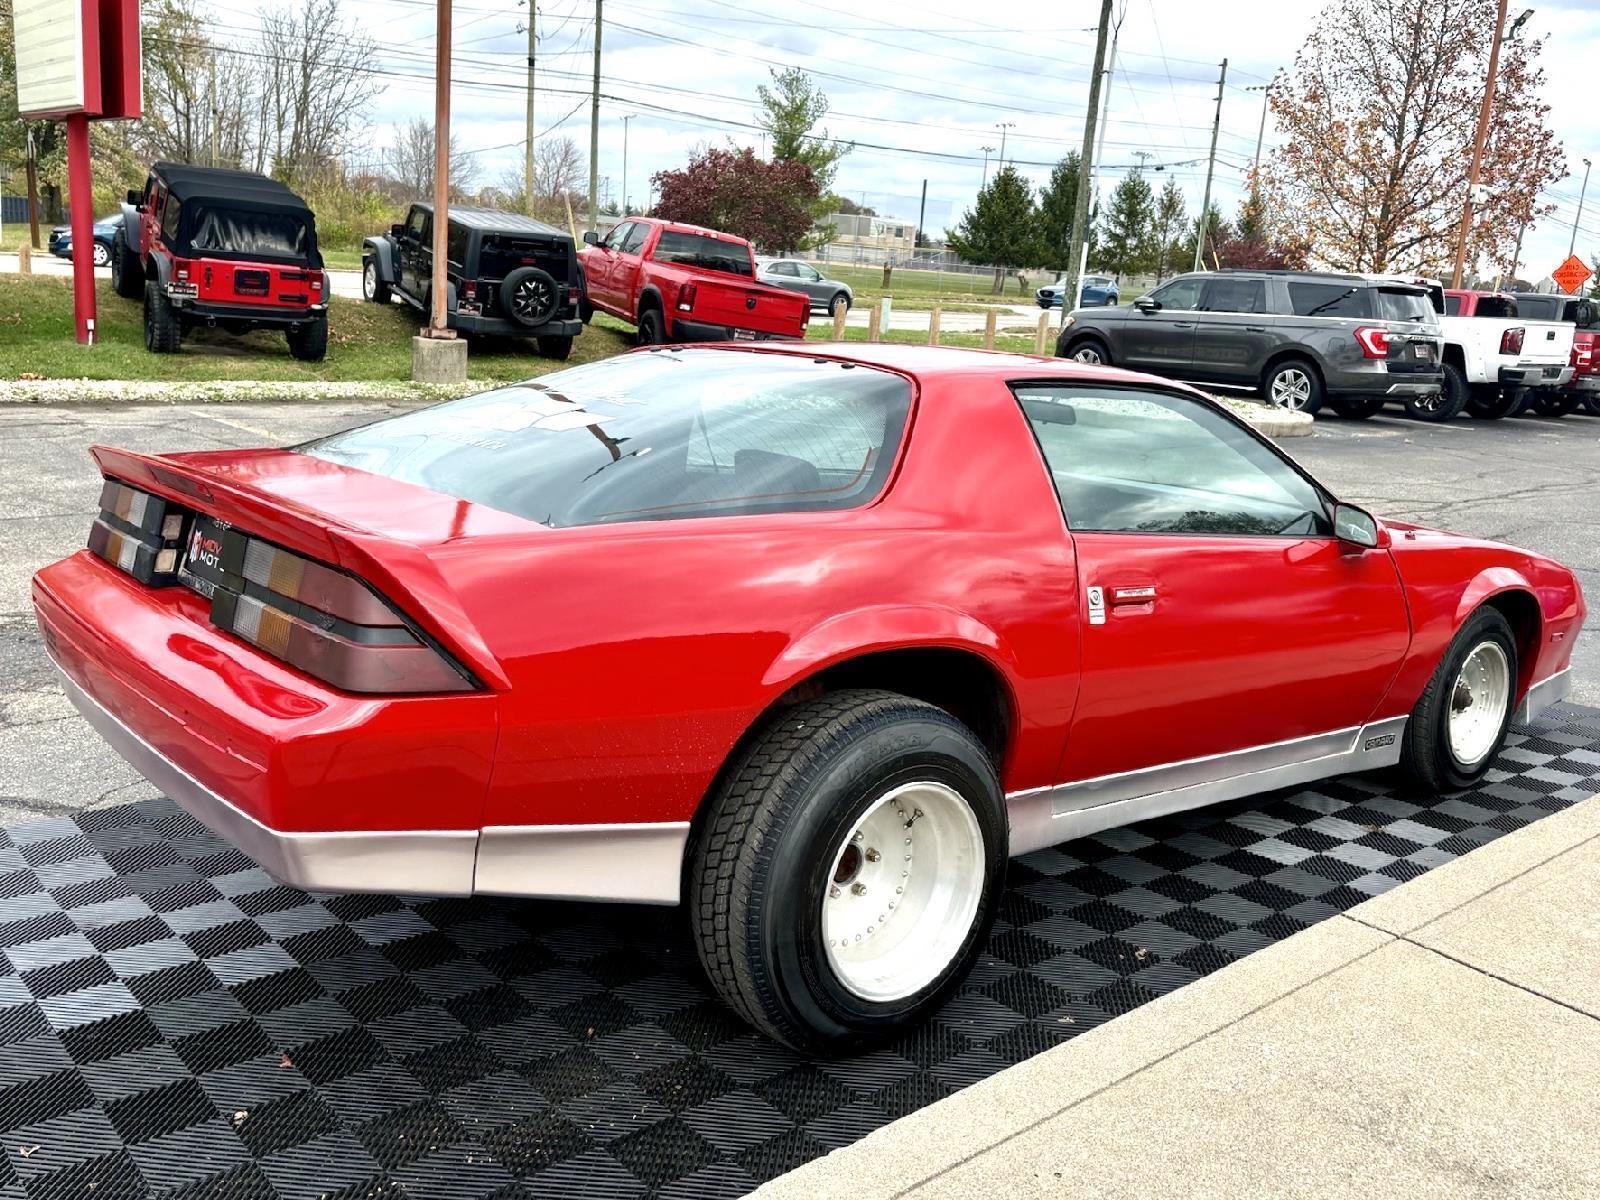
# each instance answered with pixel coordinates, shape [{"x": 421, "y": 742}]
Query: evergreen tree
[
  {"x": 1126, "y": 240},
  {"x": 999, "y": 230},
  {"x": 1054, "y": 221},
  {"x": 1169, "y": 229}
]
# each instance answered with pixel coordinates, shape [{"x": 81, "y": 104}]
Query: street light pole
[
  {"x": 594, "y": 127},
  {"x": 1002, "y": 126},
  {"x": 527, "y": 150},
  {"x": 1484, "y": 110},
  {"x": 1584, "y": 191},
  {"x": 625, "y": 121},
  {"x": 1261, "y": 133},
  {"x": 987, "y": 150}
]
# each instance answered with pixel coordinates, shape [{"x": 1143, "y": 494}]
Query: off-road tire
[
  {"x": 1356, "y": 408},
  {"x": 556, "y": 346},
  {"x": 760, "y": 860},
  {"x": 1426, "y": 756},
  {"x": 1490, "y": 403},
  {"x": 309, "y": 342},
  {"x": 1317, "y": 393},
  {"x": 529, "y": 296},
  {"x": 163, "y": 331},
  {"x": 374, "y": 289},
  {"x": 1447, "y": 404},
  {"x": 652, "y": 331},
  {"x": 1548, "y": 402},
  {"x": 127, "y": 272}
]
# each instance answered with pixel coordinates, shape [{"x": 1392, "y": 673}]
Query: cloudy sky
[{"x": 921, "y": 88}]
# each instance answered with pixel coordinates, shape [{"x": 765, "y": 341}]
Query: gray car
[
  {"x": 834, "y": 295},
  {"x": 1302, "y": 337}
]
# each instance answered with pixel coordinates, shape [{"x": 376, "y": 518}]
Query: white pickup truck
[{"x": 1494, "y": 358}]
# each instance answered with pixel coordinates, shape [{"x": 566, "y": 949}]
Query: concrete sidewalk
[{"x": 1442, "y": 1039}]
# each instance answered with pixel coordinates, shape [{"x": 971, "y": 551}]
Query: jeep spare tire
[{"x": 529, "y": 296}]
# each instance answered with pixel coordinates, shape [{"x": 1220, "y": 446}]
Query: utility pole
[
  {"x": 213, "y": 96},
  {"x": 1211, "y": 165},
  {"x": 1261, "y": 133},
  {"x": 527, "y": 149},
  {"x": 1077, "y": 246},
  {"x": 594, "y": 127},
  {"x": 438, "y": 322},
  {"x": 922, "y": 211},
  {"x": 1584, "y": 191},
  {"x": 1477, "y": 146},
  {"x": 987, "y": 150},
  {"x": 1002, "y": 126},
  {"x": 32, "y": 172},
  {"x": 625, "y": 121}
]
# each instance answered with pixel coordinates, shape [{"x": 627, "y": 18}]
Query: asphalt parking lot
[{"x": 1527, "y": 481}]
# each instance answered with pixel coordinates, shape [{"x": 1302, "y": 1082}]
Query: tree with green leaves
[
  {"x": 1127, "y": 235},
  {"x": 790, "y": 110},
  {"x": 1054, "y": 219},
  {"x": 1216, "y": 232},
  {"x": 1173, "y": 253},
  {"x": 999, "y": 229}
]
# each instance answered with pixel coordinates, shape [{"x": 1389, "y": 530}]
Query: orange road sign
[{"x": 1571, "y": 275}]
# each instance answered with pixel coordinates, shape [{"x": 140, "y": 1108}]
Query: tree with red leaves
[{"x": 770, "y": 203}]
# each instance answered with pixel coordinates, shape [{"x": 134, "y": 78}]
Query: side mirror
[
  {"x": 1146, "y": 305},
  {"x": 1358, "y": 527},
  {"x": 135, "y": 197},
  {"x": 397, "y": 230},
  {"x": 591, "y": 238}
]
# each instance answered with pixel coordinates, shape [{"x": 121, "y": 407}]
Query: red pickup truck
[{"x": 682, "y": 283}]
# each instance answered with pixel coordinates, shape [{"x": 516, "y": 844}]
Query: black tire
[
  {"x": 374, "y": 288},
  {"x": 1445, "y": 404},
  {"x": 1548, "y": 402},
  {"x": 652, "y": 331},
  {"x": 127, "y": 273},
  {"x": 839, "y": 303},
  {"x": 585, "y": 310},
  {"x": 1427, "y": 756},
  {"x": 309, "y": 342},
  {"x": 529, "y": 296},
  {"x": 556, "y": 347},
  {"x": 1356, "y": 408},
  {"x": 1490, "y": 403},
  {"x": 163, "y": 331},
  {"x": 1086, "y": 349},
  {"x": 1592, "y": 403},
  {"x": 763, "y": 860},
  {"x": 101, "y": 254},
  {"x": 1297, "y": 378}
]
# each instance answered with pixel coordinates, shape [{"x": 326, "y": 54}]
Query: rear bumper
[
  {"x": 1587, "y": 383},
  {"x": 267, "y": 315},
  {"x": 703, "y": 331},
  {"x": 505, "y": 327},
  {"x": 1384, "y": 383},
  {"x": 1536, "y": 376}
]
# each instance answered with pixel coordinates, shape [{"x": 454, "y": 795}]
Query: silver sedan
[{"x": 834, "y": 295}]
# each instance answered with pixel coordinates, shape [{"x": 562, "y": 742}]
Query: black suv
[
  {"x": 1302, "y": 337},
  {"x": 508, "y": 274}
]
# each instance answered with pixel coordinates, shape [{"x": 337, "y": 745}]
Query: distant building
[{"x": 883, "y": 237}]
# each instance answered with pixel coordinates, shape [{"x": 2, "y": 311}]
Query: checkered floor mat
[{"x": 174, "y": 1023}]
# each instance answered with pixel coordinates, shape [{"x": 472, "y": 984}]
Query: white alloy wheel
[
  {"x": 903, "y": 892},
  {"x": 1291, "y": 389},
  {"x": 1478, "y": 703},
  {"x": 1086, "y": 354},
  {"x": 369, "y": 279},
  {"x": 102, "y": 255}
]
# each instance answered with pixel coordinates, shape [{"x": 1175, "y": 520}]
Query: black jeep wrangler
[
  {"x": 508, "y": 274},
  {"x": 209, "y": 246}
]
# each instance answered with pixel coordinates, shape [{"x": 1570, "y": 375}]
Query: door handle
[
  {"x": 1255, "y": 328},
  {"x": 1134, "y": 596},
  {"x": 1183, "y": 324}
]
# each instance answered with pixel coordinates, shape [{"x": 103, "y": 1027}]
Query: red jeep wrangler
[{"x": 207, "y": 246}]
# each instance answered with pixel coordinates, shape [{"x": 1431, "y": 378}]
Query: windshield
[
  {"x": 245, "y": 231},
  {"x": 652, "y": 436},
  {"x": 703, "y": 251},
  {"x": 1404, "y": 304}
]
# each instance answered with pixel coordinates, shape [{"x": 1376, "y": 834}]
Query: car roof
[
  {"x": 189, "y": 182},
  {"x": 685, "y": 227},
  {"x": 929, "y": 361},
  {"x": 493, "y": 220}
]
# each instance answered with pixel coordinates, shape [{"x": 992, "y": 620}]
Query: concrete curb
[
  {"x": 1269, "y": 421},
  {"x": 988, "y": 1117}
]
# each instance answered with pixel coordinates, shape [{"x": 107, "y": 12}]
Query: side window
[
  {"x": 1235, "y": 296},
  {"x": 1181, "y": 294},
  {"x": 417, "y": 222},
  {"x": 635, "y": 239},
  {"x": 809, "y": 273},
  {"x": 786, "y": 269},
  {"x": 1452, "y": 306},
  {"x": 613, "y": 240},
  {"x": 1133, "y": 461},
  {"x": 456, "y": 243},
  {"x": 170, "y": 215},
  {"x": 1329, "y": 300}
]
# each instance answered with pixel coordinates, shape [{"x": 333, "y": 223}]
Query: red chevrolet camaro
[{"x": 809, "y": 639}]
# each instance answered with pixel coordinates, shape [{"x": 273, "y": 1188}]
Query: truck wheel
[
  {"x": 558, "y": 348},
  {"x": 529, "y": 296},
  {"x": 651, "y": 330},
  {"x": 1548, "y": 402},
  {"x": 163, "y": 332},
  {"x": 309, "y": 342},
  {"x": 1490, "y": 403},
  {"x": 846, "y": 874},
  {"x": 1293, "y": 384},
  {"x": 373, "y": 287},
  {"x": 1592, "y": 403},
  {"x": 127, "y": 274},
  {"x": 1459, "y": 725},
  {"x": 1357, "y": 408},
  {"x": 585, "y": 310},
  {"x": 1445, "y": 404}
]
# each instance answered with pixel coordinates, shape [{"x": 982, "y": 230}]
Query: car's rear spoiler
[{"x": 400, "y": 571}]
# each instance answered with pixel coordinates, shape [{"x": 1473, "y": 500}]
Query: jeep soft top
[{"x": 218, "y": 247}]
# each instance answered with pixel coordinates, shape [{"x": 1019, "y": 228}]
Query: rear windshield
[
  {"x": 1452, "y": 306},
  {"x": 1403, "y": 304},
  {"x": 1329, "y": 300},
  {"x": 1544, "y": 308},
  {"x": 655, "y": 436},
  {"x": 707, "y": 253},
  {"x": 242, "y": 231}
]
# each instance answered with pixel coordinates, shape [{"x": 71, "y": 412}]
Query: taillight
[
  {"x": 326, "y": 623},
  {"x": 686, "y": 295},
  {"x": 137, "y": 533},
  {"x": 470, "y": 289},
  {"x": 180, "y": 271},
  {"x": 1511, "y": 340},
  {"x": 1374, "y": 341}
]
